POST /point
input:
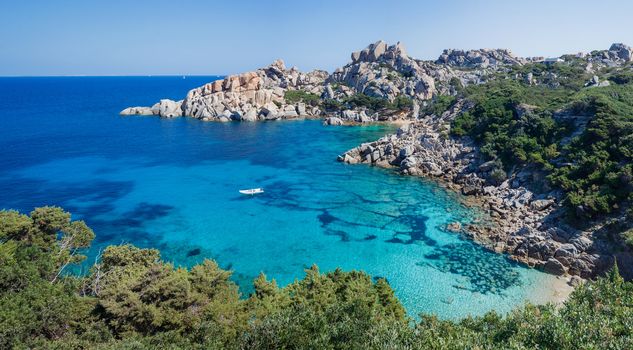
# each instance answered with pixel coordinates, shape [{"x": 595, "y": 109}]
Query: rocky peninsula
[{"x": 382, "y": 83}]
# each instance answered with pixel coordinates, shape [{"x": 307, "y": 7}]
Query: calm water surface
[{"x": 173, "y": 185}]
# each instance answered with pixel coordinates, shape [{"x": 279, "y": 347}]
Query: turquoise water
[{"x": 173, "y": 185}]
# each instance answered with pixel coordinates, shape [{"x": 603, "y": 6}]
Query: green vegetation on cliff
[
  {"x": 131, "y": 299},
  {"x": 294, "y": 96},
  {"x": 371, "y": 103},
  {"x": 520, "y": 124}
]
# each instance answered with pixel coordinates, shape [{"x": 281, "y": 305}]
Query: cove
[{"x": 173, "y": 184}]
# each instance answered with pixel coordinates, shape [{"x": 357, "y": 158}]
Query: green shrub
[
  {"x": 402, "y": 102},
  {"x": 331, "y": 105},
  {"x": 441, "y": 104},
  {"x": 627, "y": 236},
  {"x": 295, "y": 96},
  {"x": 497, "y": 176},
  {"x": 622, "y": 78}
]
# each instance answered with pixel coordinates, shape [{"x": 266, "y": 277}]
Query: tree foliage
[{"x": 294, "y": 96}]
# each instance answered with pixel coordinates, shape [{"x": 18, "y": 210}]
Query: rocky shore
[
  {"x": 525, "y": 215},
  {"x": 523, "y": 224}
]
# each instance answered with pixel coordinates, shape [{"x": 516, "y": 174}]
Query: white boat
[{"x": 252, "y": 191}]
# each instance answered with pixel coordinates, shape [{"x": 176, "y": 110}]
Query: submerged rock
[{"x": 454, "y": 227}]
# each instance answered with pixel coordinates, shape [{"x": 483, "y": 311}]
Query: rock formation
[
  {"x": 385, "y": 71},
  {"x": 482, "y": 58},
  {"x": 250, "y": 96}
]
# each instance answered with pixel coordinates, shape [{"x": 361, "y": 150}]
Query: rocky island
[{"x": 509, "y": 133}]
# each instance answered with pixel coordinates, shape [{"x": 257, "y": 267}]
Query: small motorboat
[{"x": 252, "y": 191}]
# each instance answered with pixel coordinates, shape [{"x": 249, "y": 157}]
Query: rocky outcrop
[
  {"x": 168, "y": 108},
  {"x": 482, "y": 58},
  {"x": 255, "y": 95},
  {"x": 620, "y": 52},
  {"x": 384, "y": 71},
  {"x": 137, "y": 111},
  {"x": 251, "y": 96},
  {"x": 333, "y": 121},
  {"x": 380, "y": 70},
  {"x": 164, "y": 108}
]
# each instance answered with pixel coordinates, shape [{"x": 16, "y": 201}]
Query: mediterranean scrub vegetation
[
  {"x": 371, "y": 103},
  {"x": 581, "y": 136},
  {"x": 131, "y": 299},
  {"x": 295, "y": 96}
]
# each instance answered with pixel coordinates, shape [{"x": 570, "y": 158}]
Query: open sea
[{"x": 172, "y": 184}]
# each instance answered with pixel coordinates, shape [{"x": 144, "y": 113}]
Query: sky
[{"x": 197, "y": 37}]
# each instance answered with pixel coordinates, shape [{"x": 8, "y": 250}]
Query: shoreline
[
  {"x": 559, "y": 287},
  {"x": 522, "y": 224}
]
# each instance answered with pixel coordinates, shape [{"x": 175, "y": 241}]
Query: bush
[
  {"x": 295, "y": 96},
  {"x": 402, "y": 102},
  {"x": 627, "y": 236},
  {"x": 497, "y": 176},
  {"x": 622, "y": 78},
  {"x": 441, "y": 104},
  {"x": 332, "y": 105}
]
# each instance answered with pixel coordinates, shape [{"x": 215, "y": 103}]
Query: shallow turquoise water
[{"x": 173, "y": 185}]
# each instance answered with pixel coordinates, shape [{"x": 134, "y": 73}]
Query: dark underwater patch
[
  {"x": 193, "y": 252},
  {"x": 342, "y": 234},
  {"x": 417, "y": 232},
  {"x": 485, "y": 272},
  {"x": 25, "y": 194},
  {"x": 326, "y": 218}
]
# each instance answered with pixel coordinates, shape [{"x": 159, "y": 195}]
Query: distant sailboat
[{"x": 252, "y": 191}]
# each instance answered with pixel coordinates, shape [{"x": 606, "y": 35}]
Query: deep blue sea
[{"x": 173, "y": 184}]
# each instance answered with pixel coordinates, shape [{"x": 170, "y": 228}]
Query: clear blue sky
[{"x": 112, "y": 37}]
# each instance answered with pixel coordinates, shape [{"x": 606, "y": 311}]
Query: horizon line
[{"x": 110, "y": 75}]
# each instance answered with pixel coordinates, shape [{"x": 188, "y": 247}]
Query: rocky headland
[
  {"x": 251, "y": 96},
  {"x": 382, "y": 83}
]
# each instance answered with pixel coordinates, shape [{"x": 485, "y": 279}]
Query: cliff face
[
  {"x": 385, "y": 72},
  {"x": 252, "y": 96}
]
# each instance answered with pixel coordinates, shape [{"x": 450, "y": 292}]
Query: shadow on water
[
  {"x": 98, "y": 197},
  {"x": 416, "y": 232},
  {"x": 484, "y": 271}
]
